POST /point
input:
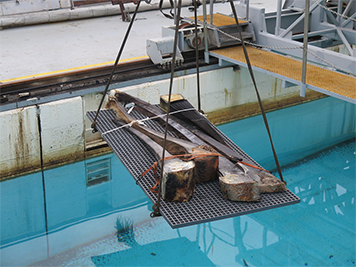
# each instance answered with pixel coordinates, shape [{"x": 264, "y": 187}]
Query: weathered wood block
[
  {"x": 267, "y": 182},
  {"x": 239, "y": 187},
  {"x": 206, "y": 168},
  {"x": 164, "y": 100},
  {"x": 178, "y": 181}
]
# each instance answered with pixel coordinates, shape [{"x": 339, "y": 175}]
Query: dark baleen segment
[{"x": 193, "y": 116}]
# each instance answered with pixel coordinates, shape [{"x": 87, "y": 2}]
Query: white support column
[
  {"x": 279, "y": 15},
  {"x": 305, "y": 47}
]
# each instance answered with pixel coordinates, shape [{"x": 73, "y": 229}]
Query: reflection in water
[
  {"x": 173, "y": 252},
  {"x": 125, "y": 232}
]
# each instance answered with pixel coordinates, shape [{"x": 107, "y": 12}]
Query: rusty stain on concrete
[
  {"x": 227, "y": 96},
  {"x": 274, "y": 88},
  {"x": 252, "y": 109},
  {"x": 22, "y": 143}
]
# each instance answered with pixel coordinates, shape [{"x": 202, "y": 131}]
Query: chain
[
  {"x": 249, "y": 43},
  {"x": 330, "y": 64},
  {"x": 334, "y": 12}
]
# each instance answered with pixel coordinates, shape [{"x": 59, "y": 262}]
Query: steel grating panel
[{"x": 207, "y": 204}]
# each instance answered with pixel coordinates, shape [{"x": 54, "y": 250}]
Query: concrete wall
[
  {"x": 19, "y": 141},
  {"x": 66, "y": 135},
  {"x": 61, "y": 136}
]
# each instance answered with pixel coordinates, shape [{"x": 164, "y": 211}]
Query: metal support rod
[
  {"x": 301, "y": 17},
  {"x": 345, "y": 42},
  {"x": 197, "y": 52},
  {"x": 247, "y": 9},
  {"x": 305, "y": 41},
  {"x": 348, "y": 7},
  {"x": 348, "y": 20},
  {"x": 115, "y": 64},
  {"x": 279, "y": 16},
  {"x": 157, "y": 205},
  {"x": 211, "y": 11},
  {"x": 339, "y": 10},
  {"x": 206, "y": 52}
]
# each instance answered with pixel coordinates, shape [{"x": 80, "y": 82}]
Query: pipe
[{"x": 49, "y": 16}]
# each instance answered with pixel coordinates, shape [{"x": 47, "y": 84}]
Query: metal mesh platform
[{"x": 207, "y": 204}]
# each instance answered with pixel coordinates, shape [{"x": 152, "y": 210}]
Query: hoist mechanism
[
  {"x": 326, "y": 47},
  {"x": 221, "y": 33}
]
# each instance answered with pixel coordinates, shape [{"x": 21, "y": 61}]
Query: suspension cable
[
  {"x": 93, "y": 125},
  {"x": 257, "y": 93},
  {"x": 157, "y": 205},
  {"x": 197, "y": 43}
]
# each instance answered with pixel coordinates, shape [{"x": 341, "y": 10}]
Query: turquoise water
[{"x": 108, "y": 224}]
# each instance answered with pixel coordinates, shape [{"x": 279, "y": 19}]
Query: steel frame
[{"x": 322, "y": 23}]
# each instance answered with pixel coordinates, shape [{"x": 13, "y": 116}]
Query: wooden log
[
  {"x": 192, "y": 116},
  {"x": 235, "y": 184},
  {"x": 268, "y": 183},
  {"x": 191, "y": 133},
  {"x": 206, "y": 167},
  {"x": 178, "y": 181},
  {"x": 239, "y": 187}
]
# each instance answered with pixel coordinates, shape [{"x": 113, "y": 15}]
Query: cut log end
[
  {"x": 178, "y": 180},
  {"x": 239, "y": 187},
  {"x": 269, "y": 183}
]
